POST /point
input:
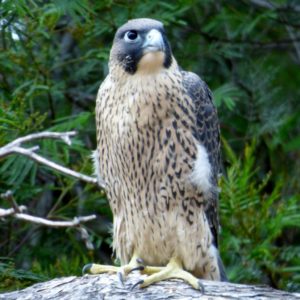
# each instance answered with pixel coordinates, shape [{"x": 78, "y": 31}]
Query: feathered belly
[{"x": 158, "y": 211}]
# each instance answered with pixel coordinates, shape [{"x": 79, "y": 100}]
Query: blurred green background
[{"x": 53, "y": 57}]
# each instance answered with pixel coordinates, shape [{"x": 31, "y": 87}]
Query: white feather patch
[
  {"x": 95, "y": 158},
  {"x": 201, "y": 174}
]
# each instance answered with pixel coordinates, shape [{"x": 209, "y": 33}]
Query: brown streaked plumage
[{"x": 158, "y": 146}]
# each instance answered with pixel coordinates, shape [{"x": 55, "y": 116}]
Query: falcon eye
[{"x": 131, "y": 36}]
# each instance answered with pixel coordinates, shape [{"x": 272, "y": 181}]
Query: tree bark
[{"x": 106, "y": 286}]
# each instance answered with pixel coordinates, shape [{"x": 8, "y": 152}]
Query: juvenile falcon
[{"x": 158, "y": 151}]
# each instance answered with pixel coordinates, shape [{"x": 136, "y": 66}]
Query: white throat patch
[{"x": 151, "y": 62}]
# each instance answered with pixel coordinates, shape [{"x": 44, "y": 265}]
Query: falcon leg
[
  {"x": 173, "y": 270},
  {"x": 134, "y": 264}
]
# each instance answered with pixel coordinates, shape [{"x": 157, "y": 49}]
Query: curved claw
[
  {"x": 139, "y": 268},
  {"x": 201, "y": 287},
  {"x": 122, "y": 274},
  {"x": 121, "y": 278},
  {"x": 86, "y": 269},
  {"x": 136, "y": 284}
]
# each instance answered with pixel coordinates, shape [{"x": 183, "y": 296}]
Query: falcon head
[{"x": 141, "y": 45}]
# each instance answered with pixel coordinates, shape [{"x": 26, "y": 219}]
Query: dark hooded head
[{"x": 141, "y": 45}]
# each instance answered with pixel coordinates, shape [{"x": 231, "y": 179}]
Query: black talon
[
  {"x": 86, "y": 268},
  {"x": 121, "y": 278},
  {"x": 136, "y": 284},
  {"x": 201, "y": 287},
  {"x": 139, "y": 268}
]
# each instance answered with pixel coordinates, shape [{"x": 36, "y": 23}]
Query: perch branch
[{"x": 106, "y": 286}]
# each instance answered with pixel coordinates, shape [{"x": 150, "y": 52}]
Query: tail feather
[{"x": 223, "y": 276}]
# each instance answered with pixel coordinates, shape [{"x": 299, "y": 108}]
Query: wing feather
[{"x": 207, "y": 133}]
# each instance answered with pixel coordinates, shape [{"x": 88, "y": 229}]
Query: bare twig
[
  {"x": 9, "y": 197},
  {"x": 41, "y": 221},
  {"x": 86, "y": 238},
  {"x": 295, "y": 43},
  {"x": 271, "y": 5},
  {"x": 29, "y": 153},
  {"x": 65, "y": 136},
  {"x": 11, "y": 211},
  {"x": 262, "y": 3},
  {"x": 15, "y": 147},
  {"x": 274, "y": 44},
  {"x": 18, "y": 212}
]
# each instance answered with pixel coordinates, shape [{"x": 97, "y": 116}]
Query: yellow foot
[
  {"x": 172, "y": 270},
  {"x": 134, "y": 264}
]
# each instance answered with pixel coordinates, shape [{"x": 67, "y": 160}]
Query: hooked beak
[{"x": 154, "y": 42}]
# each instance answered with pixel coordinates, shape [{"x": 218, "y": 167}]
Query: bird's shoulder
[
  {"x": 196, "y": 88},
  {"x": 207, "y": 123},
  {"x": 105, "y": 86}
]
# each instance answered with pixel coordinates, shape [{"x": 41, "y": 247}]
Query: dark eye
[{"x": 131, "y": 36}]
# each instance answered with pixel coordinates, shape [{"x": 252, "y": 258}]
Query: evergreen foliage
[{"x": 53, "y": 57}]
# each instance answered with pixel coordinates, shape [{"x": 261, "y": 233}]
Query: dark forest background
[{"x": 53, "y": 57}]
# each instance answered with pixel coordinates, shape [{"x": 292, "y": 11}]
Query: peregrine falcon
[{"x": 158, "y": 150}]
